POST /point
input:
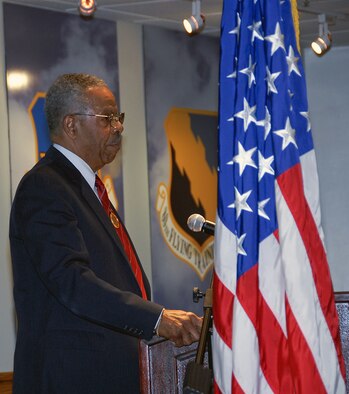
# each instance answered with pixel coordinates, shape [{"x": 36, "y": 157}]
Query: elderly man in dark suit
[{"x": 81, "y": 296}]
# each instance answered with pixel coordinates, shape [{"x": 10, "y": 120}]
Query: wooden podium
[
  {"x": 163, "y": 365},
  {"x": 342, "y": 305}
]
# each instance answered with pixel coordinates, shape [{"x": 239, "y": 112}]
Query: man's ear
[{"x": 69, "y": 126}]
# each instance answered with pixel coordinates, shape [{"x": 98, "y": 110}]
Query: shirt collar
[{"x": 81, "y": 165}]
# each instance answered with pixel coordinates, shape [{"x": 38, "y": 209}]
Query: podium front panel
[{"x": 163, "y": 366}]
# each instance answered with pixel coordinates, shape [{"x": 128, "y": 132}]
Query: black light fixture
[
  {"x": 323, "y": 43},
  {"x": 87, "y": 7},
  {"x": 196, "y": 22}
]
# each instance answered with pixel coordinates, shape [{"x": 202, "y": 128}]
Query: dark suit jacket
[{"x": 79, "y": 307}]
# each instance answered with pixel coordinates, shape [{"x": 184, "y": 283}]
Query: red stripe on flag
[
  {"x": 291, "y": 186},
  {"x": 216, "y": 389},
  {"x": 306, "y": 376},
  {"x": 273, "y": 346},
  {"x": 235, "y": 387},
  {"x": 222, "y": 308}
]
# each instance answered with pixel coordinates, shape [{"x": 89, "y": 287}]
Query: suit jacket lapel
[{"x": 75, "y": 177}]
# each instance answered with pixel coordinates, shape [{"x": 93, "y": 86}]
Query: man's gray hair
[{"x": 68, "y": 95}]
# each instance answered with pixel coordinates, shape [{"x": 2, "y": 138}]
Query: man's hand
[{"x": 180, "y": 327}]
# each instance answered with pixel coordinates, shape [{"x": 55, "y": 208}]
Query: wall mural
[
  {"x": 181, "y": 111},
  {"x": 34, "y": 60}
]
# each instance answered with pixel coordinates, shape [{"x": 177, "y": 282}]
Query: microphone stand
[{"x": 198, "y": 379}]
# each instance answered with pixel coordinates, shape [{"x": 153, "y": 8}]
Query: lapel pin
[{"x": 114, "y": 220}]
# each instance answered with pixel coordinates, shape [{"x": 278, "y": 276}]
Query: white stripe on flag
[
  {"x": 246, "y": 363},
  {"x": 311, "y": 188},
  {"x": 271, "y": 279},
  {"x": 222, "y": 362},
  {"x": 225, "y": 258},
  {"x": 303, "y": 299}
]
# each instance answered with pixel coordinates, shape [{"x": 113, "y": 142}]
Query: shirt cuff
[{"x": 156, "y": 328}]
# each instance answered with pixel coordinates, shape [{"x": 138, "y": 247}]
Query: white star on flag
[
  {"x": 243, "y": 158},
  {"x": 241, "y": 202},
  {"x": 264, "y": 165},
  {"x": 265, "y": 123},
  {"x": 232, "y": 75},
  {"x": 261, "y": 211},
  {"x": 255, "y": 31},
  {"x": 276, "y": 39},
  {"x": 306, "y": 115},
  {"x": 240, "y": 248},
  {"x": 292, "y": 62},
  {"x": 247, "y": 114},
  {"x": 287, "y": 134},
  {"x": 271, "y": 77},
  {"x": 236, "y": 29},
  {"x": 249, "y": 71}
]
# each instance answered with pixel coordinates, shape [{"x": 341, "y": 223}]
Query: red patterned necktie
[{"x": 121, "y": 232}]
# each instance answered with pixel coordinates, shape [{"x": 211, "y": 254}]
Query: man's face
[{"x": 97, "y": 141}]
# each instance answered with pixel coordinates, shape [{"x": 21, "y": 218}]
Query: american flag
[{"x": 275, "y": 324}]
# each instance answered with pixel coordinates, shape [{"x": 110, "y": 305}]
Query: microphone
[{"x": 198, "y": 223}]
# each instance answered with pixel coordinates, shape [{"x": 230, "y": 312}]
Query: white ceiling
[{"x": 170, "y": 13}]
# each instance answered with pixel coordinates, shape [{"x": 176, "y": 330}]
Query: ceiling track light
[
  {"x": 196, "y": 22},
  {"x": 323, "y": 43},
  {"x": 87, "y": 7}
]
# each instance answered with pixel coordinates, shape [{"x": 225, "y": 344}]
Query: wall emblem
[{"x": 192, "y": 188}]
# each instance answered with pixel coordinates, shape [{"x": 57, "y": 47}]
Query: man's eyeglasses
[{"x": 112, "y": 119}]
